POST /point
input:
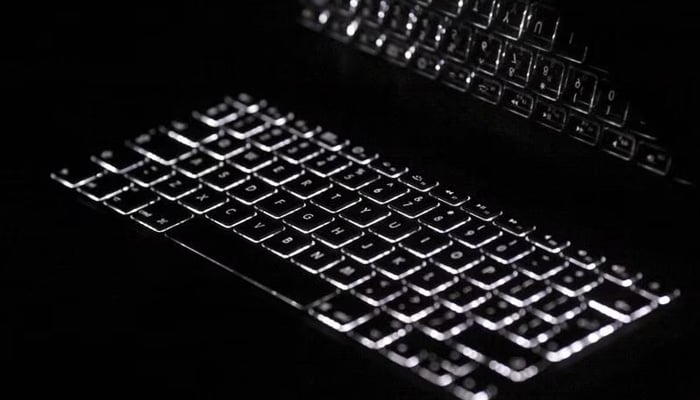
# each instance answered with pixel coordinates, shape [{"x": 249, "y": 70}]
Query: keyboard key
[
  {"x": 348, "y": 274},
  {"x": 486, "y": 52},
  {"x": 514, "y": 225},
  {"x": 556, "y": 307},
  {"x": 481, "y": 12},
  {"x": 307, "y": 186},
  {"x": 507, "y": 249},
  {"x": 387, "y": 168},
  {"x": 231, "y": 214},
  {"x": 275, "y": 115},
  {"x": 399, "y": 264},
  {"x": 335, "y": 199},
  {"x": 394, "y": 228},
  {"x": 476, "y": 385},
  {"x": 104, "y": 187},
  {"x": 481, "y": 210},
  {"x": 176, "y": 186},
  {"x": 368, "y": 248},
  {"x": 510, "y": 18},
  {"x": 279, "y": 172},
  {"x": 160, "y": 148},
  {"x": 379, "y": 331},
  {"x": 337, "y": 233},
  {"x": 475, "y": 233},
  {"x": 425, "y": 243},
  {"x": 504, "y": 356},
  {"x": 656, "y": 290},
  {"x": 457, "y": 42},
  {"x": 364, "y": 214},
  {"x": 251, "y": 191},
  {"x": 192, "y": 132},
  {"x": 463, "y": 296},
  {"x": 620, "y": 274},
  {"x": 489, "y": 275},
  {"x": 359, "y": 154},
  {"x": 549, "y": 115},
  {"x": 330, "y": 141},
  {"x": 444, "y": 219},
  {"x": 548, "y": 76},
  {"x": 259, "y": 228},
  {"x": 542, "y": 26},
  {"x": 547, "y": 241},
  {"x": 410, "y": 306},
  {"x": 518, "y": 102},
  {"x": 413, "y": 204},
  {"x": 77, "y": 175},
  {"x": 541, "y": 265},
  {"x": 342, "y": 312},
  {"x": 418, "y": 181},
  {"x": 279, "y": 205},
  {"x": 299, "y": 151},
  {"x": 612, "y": 105},
  {"x": 308, "y": 219},
  {"x": 517, "y": 64},
  {"x": 582, "y": 257},
  {"x": 355, "y": 177},
  {"x": 327, "y": 164},
  {"x": 288, "y": 243},
  {"x": 585, "y": 328},
  {"x": 618, "y": 144},
  {"x": 273, "y": 138},
  {"x": 444, "y": 323},
  {"x": 521, "y": 291},
  {"x": 149, "y": 173},
  {"x": 496, "y": 313},
  {"x": 224, "y": 147},
  {"x": 529, "y": 331},
  {"x": 384, "y": 190},
  {"x": 378, "y": 290},
  {"x": 317, "y": 258},
  {"x": 409, "y": 350},
  {"x": 303, "y": 128},
  {"x": 246, "y": 103},
  {"x": 617, "y": 302},
  {"x": 251, "y": 160},
  {"x": 217, "y": 115},
  {"x": 161, "y": 216},
  {"x": 583, "y": 129},
  {"x": 132, "y": 199},
  {"x": 246, "y": 126},
  {"x": 203, "y": 200},
  {"x": 449, "y": 196},
  {"x": 430, "y": 280},
  {"x": 119, "y": 160},
  {"x": 224, "y": 178},
  {"x": 580, "y": 89},
  {"x": 457, "y": 258},
  {"x": 575, "y": 281}
]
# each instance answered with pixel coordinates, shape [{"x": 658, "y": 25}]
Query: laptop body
[{"x": 581, "y": 191}]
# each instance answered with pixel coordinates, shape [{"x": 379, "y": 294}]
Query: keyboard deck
[{"x": 439, "y": 283}]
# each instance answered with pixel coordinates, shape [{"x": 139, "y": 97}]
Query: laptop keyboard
[
  {"x": 516, "y": 54},
  {"x": 453, "y": 289}
]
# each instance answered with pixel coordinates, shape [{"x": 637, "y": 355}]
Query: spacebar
[{"x": 275, "y": 275}]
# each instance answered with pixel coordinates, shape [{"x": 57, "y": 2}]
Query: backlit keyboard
[
  {"x": 516, "y": 54},
  {"x": 444, "y": 285}
]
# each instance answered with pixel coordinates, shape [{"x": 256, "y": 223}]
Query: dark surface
[{"x": 98, "y": 308}]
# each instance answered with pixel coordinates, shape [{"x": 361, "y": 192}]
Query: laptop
[{"x": 403, "y": 199}]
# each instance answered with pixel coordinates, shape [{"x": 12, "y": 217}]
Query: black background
[{"x": 99, "y": 309}]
